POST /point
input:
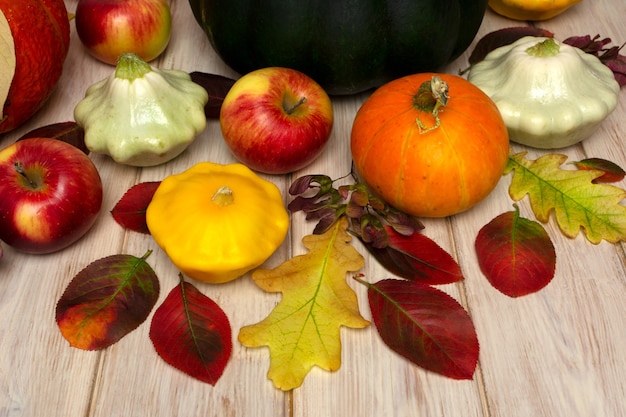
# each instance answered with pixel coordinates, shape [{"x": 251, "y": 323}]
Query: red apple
[
  {"x": 50, "y": 195},
  {"x": 109, "y": 28},
  {"x": 276, "y": 120}
]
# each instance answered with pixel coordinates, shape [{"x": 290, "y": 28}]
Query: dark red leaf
[
  {"x": 426, "y": 326},
  {"x": 107, "y": 300},
  {"x": 191, "y": 333},
  {"x": 587, "y": 43},
  {"x": 610, "y": 57},
  {"x": 501, "y": 37},
  {"x": 515, "y": 254},
  {"x": 403, "y": 223},
  {"x": 616, "y": 63},
  {"x": 130, "y": 211},
  {"x": 217, "y": 86},
  {"x": 417, "y": 258},
  {"x": 611, "y": 171},
  {"x": 69, "y": 132}
]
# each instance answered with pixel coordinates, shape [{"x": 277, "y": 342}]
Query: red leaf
[
  {"x": 426, "y": 326},
  {"x": 616, "y": 63},
  {"x": 515, "y": 254},
  {"x": 608, "y": 56},
  {"x": 611, "y": 171},
  {"x": 130, "y": 211},
  {"x": 417, "y": 257},
  {"x": 107, "y": 300},
  {"x": 588, "y": 44},
  {"x": 217, "y": 86},
  {"x": 501, "y": 37},
  {"x": 69, "y": 132},
  {"x": 192, "y": 333}
]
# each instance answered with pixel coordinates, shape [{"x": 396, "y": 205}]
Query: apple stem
[
  {"x": 293, "y": 108},
  {"x": 19, "y": 168}
]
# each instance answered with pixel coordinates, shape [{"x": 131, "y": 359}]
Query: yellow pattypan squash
[
  {"x": 217, "y": 222},
  {"x": 531, "y": 9}
]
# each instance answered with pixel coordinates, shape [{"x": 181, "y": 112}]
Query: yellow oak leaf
[
  {"x": 577, "y": 202},
  {"x": 302, "y": 331}
]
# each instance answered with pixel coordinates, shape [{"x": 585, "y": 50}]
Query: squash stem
[
  {"x": 130, "y": 67},
  {"x": 223, "y": 196},
  {"x": 544, "y": 49},
  {"x": 431, "y": 97}
]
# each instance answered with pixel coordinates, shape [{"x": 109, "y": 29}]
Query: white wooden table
[{"x": 558, "y": 353}]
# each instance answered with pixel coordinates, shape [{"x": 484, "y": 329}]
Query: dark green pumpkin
[{"x": 347, "y": 46}]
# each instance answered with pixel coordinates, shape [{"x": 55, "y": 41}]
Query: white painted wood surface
[{"x": 558, "y": 353}]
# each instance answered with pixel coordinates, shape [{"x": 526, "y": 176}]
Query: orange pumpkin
[{"x": 431, "y": 145}]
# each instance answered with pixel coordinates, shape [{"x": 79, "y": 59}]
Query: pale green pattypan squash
[
  {"x": 140, "y": 115},
  {"x": 551, "y": 95}
]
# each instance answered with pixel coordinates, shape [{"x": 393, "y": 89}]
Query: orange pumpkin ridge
[{"x": 429, "y": 173}]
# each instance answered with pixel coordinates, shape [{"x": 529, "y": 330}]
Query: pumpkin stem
[
  {"x": 223, "y": 196},
  {"x": 431, "y": 97}
]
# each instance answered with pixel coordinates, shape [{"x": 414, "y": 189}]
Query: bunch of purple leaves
[
  {"x": 610, "y": 56},
  {"x": 367, "y": 214}
]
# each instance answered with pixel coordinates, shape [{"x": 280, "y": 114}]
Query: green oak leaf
[{"x": 576, "y": 201}]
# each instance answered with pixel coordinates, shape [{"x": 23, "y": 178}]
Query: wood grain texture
[{"x": 556, "y": 353}]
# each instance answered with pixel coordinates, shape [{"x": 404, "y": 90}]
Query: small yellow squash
[
  {"x": 531, "y": 9},
  {"x": 217, "y": 222}
]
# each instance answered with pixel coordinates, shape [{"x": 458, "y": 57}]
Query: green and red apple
[
  {"x": 50, "y": 195},
  {"x": 276, "y": 120},
  {"x": 109, "y": 28}
]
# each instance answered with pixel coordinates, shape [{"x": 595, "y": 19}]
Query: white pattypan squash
[{"x": 551, "y": 95}]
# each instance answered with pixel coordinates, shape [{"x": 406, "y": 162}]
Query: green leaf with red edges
[
  {"x": 424, "y": 325},
  {"x": 69, "y": 132},
  {"x": 107, "y": 300},
  {"x": 130, "y": 211},
  {"x": 611, "y": 171},
  {"x": 191, "y": 333},
  {"x": 515, "y": 254},
  {"x": 417, "y": 258},
  {"x": 576, "y": 202}
]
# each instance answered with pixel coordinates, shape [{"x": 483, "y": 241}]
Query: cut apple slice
[{"x": 7, "y": 60}]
